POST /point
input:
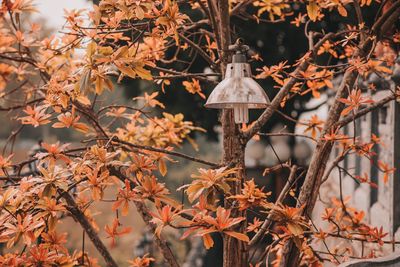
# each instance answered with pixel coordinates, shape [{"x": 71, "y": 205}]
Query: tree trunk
[
  {"x": 234, "y": 250},
  {"x": 310, "y": 188}
]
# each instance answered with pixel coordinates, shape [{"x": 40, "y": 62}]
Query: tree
[{"x": 124, "y": 147}]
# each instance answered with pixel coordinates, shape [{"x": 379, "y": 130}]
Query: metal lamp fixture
[{"x": 238, "y": 91}]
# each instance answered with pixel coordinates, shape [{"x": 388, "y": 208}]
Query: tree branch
[
  {"x": 164, "y": 151},
  {"x": 378, "y": 104},
  {"x": 310, "y": 189},
  {"x": 146, "y": 216},
  {"x": 238, "y": 8},
  {"x": 288, "y": 134},
  {"x": 360, "y": 19},
  {"x": 381, "y": 26},
  {"x": 199, "y": 50},
  {"x": 264, "y": 227},
  {"x": 269, "y": 111},
  {"x": 88, "y": 228}
]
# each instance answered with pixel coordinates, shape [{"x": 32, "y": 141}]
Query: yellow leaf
[
  {"x": 139, "y": 13},
  {"x": 237, "y": 235},
  {"x": 109, "y": 84},
  {"x": 63, "y": 101},
  {"x": 96, "y": 15},
  {"x": 106, "y": 50},
  {"x": 126, "y": 70},
  {"x": 99, "y": 85},
  {"x": 295, "y": 229},
  {"x": 143, "y": 73},
  {"x": 84, "y": 82},
  {"x": 383, "y": 69},
  {"x": 121, "y": 52},
  {"x": 163, "y": 21},
  {"x": 292, "y": 193},
  {"x": 328, "y": 83},
  {"x": 81, "y": 127},
  {"x": 158, "y": 230},
  {"x": 91, "y": 49},
  {"x": 96, "y": 193},
  {"x": 194, "y": 191},
  {"x": 162, "y": 167},
  {"x": 193, "y": 143},
  {"x": 51, "y": 223},
  {"x": 312, "y": 10},
  {"x": 83, "y": 100},
  {"x": 125, "y": 209}
]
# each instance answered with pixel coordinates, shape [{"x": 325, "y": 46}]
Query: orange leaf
[
  {"x": 342, "y": 11},
  {"x": 162, "y": 167},
  {"x": 313, "y": 10},
  {"x": 208, "y": 241},
  {"x": 237, "y": 235}
]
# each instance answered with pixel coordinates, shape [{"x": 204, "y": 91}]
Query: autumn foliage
[{"x": 126, "y": 149}]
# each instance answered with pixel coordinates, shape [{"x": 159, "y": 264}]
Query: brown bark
[
  {"x": 309, "y": 190},
  {"x": 234, "y": 143},
  {"x": 323, "y": 149},
  {"x": 234, "y": 250}
]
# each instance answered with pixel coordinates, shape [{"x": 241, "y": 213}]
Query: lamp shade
[{"x": 238, "y": 91}]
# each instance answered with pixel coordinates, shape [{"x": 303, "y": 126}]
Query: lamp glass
[{"x": 241, "y": 113}]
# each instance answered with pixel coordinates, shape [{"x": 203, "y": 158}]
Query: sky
[{"x": 53, "y": 10}]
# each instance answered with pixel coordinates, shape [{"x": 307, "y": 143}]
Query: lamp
[{"x": 238, "y": 90}]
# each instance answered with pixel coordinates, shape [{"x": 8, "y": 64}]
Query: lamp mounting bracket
[
  {"x": 240, "y": 51},
  {"x": 239, "y": 47}
]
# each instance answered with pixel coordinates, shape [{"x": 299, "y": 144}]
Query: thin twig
[
  {"x": 279, "y": 200},
  {"x": 164, "y": 151}
]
